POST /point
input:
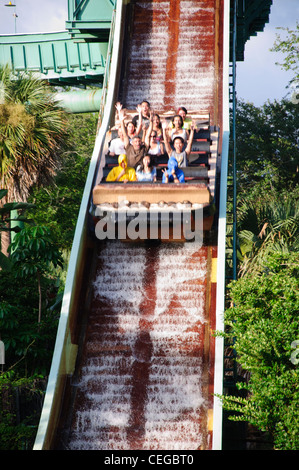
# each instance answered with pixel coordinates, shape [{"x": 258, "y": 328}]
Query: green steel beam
[
  {"x": 75, "y": 57},
  {"x": 56, "y": 57},
  {"x": 90, "y": 20}
]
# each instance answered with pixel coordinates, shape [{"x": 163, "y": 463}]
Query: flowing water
[
  {"x": 142, "y": 381},
  {"x": 171, "y": 55}
]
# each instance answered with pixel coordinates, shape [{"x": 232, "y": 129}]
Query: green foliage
[
  {"x": 264, "y": 324},
  {"x": 12, "y": 212},
  {"x": 32, "y": 129},
  {"x": 31, "y": 260},
  {"x": 266, "y": 226},
  {"x": 267, "y": 150},
  {"x": 31, "y": 279},
  {"x": 28, "y": 347},
  {"x": 57, "y": 206},
  {"x": 15, "y": 437},
  {"x": 289, "y": 47},
  {"x": 17, "y": 429},
  {"x": 33, "y": 251}
]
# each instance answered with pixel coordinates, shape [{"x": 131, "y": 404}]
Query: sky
[{"x": 258, "y": 77}]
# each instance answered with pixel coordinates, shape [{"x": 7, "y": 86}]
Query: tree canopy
[
  {"x": 264, "y": 324},
  {"x": 267, "y": 147},
  {"x": 32, "y": 129}
]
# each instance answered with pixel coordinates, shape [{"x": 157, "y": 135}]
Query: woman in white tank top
[
  {"x": 178, "y": 130},
  {"x": 156, "y": 147}
]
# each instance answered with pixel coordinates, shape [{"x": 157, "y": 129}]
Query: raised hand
[{"x": 118, "y": 106}]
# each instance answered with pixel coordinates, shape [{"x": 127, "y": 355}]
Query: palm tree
[
  {"x": 32, "y": 129},
  {"x": 271, "y": 227}
]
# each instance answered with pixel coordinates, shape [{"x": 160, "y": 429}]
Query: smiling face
[
  {"x": 182, "y": 113},
  {"x": 136, "y": 142},
  {"x": 156, "y": 121},
  {"x": 146, "y": 161},
  {"x": 122, "y": 161},
  {"x": 153, "y": 137},
  {"x": 145, "y": 108},
  {"x": 130, "y": 128},
  {"x": 178, "y": 145},
  {"x": 177, "y": 122}
]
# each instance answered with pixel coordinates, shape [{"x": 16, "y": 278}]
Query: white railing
[{"x": 64, "y": 351}]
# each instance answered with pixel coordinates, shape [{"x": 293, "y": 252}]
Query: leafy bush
[
  {"x": 264, "y": 324},
  {"x": 18, "y": 424}
]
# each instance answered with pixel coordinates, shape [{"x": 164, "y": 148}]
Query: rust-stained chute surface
[{"x": 145, "y": 370}]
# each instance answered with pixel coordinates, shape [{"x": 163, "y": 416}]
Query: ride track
[{"x": 136, "y": 364}]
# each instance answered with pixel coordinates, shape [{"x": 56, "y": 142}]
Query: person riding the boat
[
  {"x": 177, "y": 129},
  {"x": 117, "y": 145},
  {"x": 157, "y": 126},
  {"x": 178, "y": 152},
  {"x": 146, "y": 171},
  {"x": 132, "y": 130},
  {"x": 144, "y": 113},
  {"x": 156, "y": 147},
  {"x": 122, "y": 172},
  {"x": 182, "y": 111},
  {"x": 136, "y": 149},
  {"x": 173, "y": 173},
  {"x": 130, "y": 126}
]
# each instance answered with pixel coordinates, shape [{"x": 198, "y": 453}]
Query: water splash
[{"x": 174, "y": 403}]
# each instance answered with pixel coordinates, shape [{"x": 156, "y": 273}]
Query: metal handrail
[{"x": 107, "y": 71}]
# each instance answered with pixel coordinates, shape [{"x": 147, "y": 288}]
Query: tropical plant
[
  {"x": 263, "y": 323},
  {"x": 32, "y": 128},
  {"x": 28, "y": 287},
  {"x": 272, "y": 227},
  {"x": 18, "y": 429},
  {"x": 32, "y": 253},
  {"x": 267, "y": 148},
  {"x": 57, "y": 205},
  {"x": 11, "y": 219}
]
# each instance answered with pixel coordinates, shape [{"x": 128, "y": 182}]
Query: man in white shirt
[{"x": 117, "y": 145}]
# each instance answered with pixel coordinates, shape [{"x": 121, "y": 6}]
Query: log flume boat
[{"x": 136, "y": 365}]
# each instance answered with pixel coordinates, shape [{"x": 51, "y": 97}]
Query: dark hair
[
  {"x": 150, "y": 163},
  {"x": 131, "y": 122},
  {"x": 145, "y": 101},
  {"x": 159, "y": 119},
  {"x": 178, "y": 137},
  {"x": 181, "y": 119},
  {"x": 183, "y": 109}
]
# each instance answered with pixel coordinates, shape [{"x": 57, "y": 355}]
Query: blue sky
[{"x": 258, "y": 78}]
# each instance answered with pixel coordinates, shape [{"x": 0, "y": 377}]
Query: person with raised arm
[
  {"x": 177, "y": 152},
  {"x": 157, "y": 126},
  {"x": 144, "y": 116},
  {"x": 177, "y": 128},
  {"x": 130, "y": 126},
  {"x": 136, "y": 149}
]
